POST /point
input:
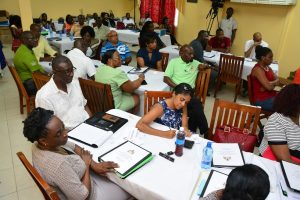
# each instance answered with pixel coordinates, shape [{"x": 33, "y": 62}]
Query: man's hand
[
  {"x": 104, "y": 167},
  {"x": 142, "y": 76},
  {"x": 202, "y": 66},
  {"x": 256, "y": 44}
]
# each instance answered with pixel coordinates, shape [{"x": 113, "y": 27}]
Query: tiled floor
[{"x": 15, "y": 183}]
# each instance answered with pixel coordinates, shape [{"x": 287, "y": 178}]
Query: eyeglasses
[
  {"x": 114, "y": 35},
  {"x": 68, "y": 71}
]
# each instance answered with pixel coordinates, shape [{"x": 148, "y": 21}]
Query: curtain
[{"x": 158, "y": 9}]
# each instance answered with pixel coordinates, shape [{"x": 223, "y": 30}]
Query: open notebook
[{"x": 291, "y": 174}]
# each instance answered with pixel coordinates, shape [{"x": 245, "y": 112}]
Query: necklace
[{"x": 265, "y": 68}]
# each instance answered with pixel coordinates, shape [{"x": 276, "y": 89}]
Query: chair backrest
[
  {"x": 165, "y": 59},
  {"x": 250, "y": 90},
  {"x": 40, "y": 79},
  {"x": 18, "y": 81},
  {"x": 48, "y": 192},
  {"x": 202, "y": 83},
  {"x": 231, "y": 68},
  {"x": 99, "y": 96},
  {"x": 233, "y": 114},
  {"x": 152, "y": 97}
]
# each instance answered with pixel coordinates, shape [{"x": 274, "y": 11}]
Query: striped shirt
[{"x": 280, "y": 130}]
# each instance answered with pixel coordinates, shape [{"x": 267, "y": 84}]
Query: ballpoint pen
[
  {"x": 283, "y": 191},
  {"x": 83, "y": 142}
]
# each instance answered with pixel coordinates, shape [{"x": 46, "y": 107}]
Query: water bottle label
[{"x": 179, "y": 142}]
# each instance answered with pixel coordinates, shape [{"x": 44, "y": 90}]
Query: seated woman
[
  {"x": 88, "y": 35},
  {"x": 122, "y": 88},
  {"x": 282, "y": 132},
  {"x": 69, "y": 23},
  {"x": 165, "y": 25},
  {"x": 64, "y": 165},
  {"x": 148, "y": 31},
  {"x": 149, "y": 56},
  {"x": 263, "y": 79},
  {"x": 16, "y": 31},
  {"x": 170, "y": 112},
  {"x": 248, "y": 182}
]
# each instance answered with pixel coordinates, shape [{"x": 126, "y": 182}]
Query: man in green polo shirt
[
  {"x": 184, "y": 69},
  {"x": 26, "y": 62}
]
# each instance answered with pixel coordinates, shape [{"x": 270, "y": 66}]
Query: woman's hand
[
  {"x": 104, "y": 167},
  {"x": 86, "y": 156},
  {"x": 170, "y": 133}
]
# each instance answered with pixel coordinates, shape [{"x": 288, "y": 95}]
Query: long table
[
  {"x": 132, "y": 37},
  {"x": 162, "y": 179},
  {"x": 153, "y": 78},
  {"x": 214, "y": 57}
]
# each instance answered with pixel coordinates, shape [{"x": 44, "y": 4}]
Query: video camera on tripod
[{"x": 213, "y": 12}]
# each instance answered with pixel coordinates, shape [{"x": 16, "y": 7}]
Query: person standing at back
[{"x": 229, "y": 25}]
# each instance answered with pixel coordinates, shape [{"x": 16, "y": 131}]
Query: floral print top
[{"x": 170, "y": 118}]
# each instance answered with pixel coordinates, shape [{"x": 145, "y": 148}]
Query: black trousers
[
  {"x": 197, "y": 117},
  {"x": 30, "y": 87}
]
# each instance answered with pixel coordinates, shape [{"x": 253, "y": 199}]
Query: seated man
[
  {"x": 184, "y": 70},
  {"x": 26, "y": 62},
  {"x": 62, "y": 95},
  {"x": 250, "y": 45},
  {"x": 199, "y": 45},
  {"x": 113, "y": 43},
  {"x": 219, "y": 42},
  {"x": 84, "y": 66},
  {"x": 128, "y": 20},
  {"x": 101, "y": 30},
  {"x": 76, "y": 28},
  {"x": 43, "y": 51}
]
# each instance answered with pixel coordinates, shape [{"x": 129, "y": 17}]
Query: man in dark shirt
[{"x": 199, "y": 44}]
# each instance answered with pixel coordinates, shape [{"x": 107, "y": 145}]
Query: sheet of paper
[
  {"x": 227, "y": 154},
  {"x": 292, "y": 172},
  {"x": 126, "y": 155},
  {"x": 209, "y": 54},
  {"x": 217, "y": 181},
  {"x": 90, "y": 134}
]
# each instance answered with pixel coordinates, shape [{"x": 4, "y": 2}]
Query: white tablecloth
[
  {"x": 214, "y": 57},
  {"x": 162, "y": 179},
  {"x": 65, "y": 44},
  {"x": 131, "y": 37}
]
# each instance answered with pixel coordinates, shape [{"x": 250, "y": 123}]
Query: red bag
[
  {"x": 120, "y": 25},
  {"x": 227, "y": 134}
]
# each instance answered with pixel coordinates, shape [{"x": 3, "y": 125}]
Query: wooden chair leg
[
  {"x": 21, "y": 103},
  {"x": 217, "y": 87},
  {"x": 237, "y": 89},
  {"x": 28, "y": 105}
]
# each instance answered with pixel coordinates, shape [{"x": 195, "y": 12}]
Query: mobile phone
[
  {"x": 144, "y": 83},
  {"x": 110, "y": 118},
  {"x": 188, "y": 144}
]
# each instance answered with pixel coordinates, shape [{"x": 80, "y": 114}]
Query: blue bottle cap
[{"x": 209, "y": 144}]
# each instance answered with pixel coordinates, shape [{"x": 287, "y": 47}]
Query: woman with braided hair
[{"x": 68, "y": 168}]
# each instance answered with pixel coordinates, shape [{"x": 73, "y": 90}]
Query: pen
[
  {"x": 166, "y": 156},
  {"x": 283, "y": 191},
  {"x": 91, "y": 145}
]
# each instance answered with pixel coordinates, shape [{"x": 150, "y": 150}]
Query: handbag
[{"x": 228, "y": 134}]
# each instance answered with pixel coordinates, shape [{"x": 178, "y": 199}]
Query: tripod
[{"x": 212, "y": 14}]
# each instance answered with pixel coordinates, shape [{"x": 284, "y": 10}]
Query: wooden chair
[
  {"x": 152, "y": 97},
  {"x": 99, "y": 96},
  {"x": 202, "y": 83},
  {"x": 233, "y": 114},
  {"x": 165, "y": 59},
  {"x": 48, "y": 192},
  {"x": 22, "y": 92},
  {"x": 40, "y": 79},
  {"x": 231, "y": 68}
]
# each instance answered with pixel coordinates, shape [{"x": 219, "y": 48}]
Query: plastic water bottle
[
  {"x": 207, "y": 156},
  {"x": 71, "y": 36},
  {"x": 180, "y": 137},
  {"x": 51, "y": 32}
]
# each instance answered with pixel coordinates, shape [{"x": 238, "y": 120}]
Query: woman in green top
[{"x": 122, "y": 88}]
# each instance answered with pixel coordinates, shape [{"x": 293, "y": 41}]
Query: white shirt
[
  {"x": 128, "y": 21},
  {"x": 83, "y": 64},
  {"x": 91, "y": 22},
  {"x": 69, "y": 107},
  {"x": 228, "y": 25},
  {"x": 249, "y": 43}
]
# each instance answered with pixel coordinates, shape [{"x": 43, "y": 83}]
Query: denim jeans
[{"x": 266, "y": 104}]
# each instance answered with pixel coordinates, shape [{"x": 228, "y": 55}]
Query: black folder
[{"x": 99, "y": 121}]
